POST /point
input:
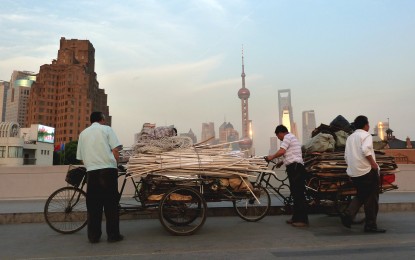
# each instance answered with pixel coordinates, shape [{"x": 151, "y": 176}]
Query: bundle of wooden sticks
[{"x": 205, "y": 160}]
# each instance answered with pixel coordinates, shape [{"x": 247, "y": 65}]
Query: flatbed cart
[
  {"x": 180, "y": 201},
  {"x": 330, "y": 192}
]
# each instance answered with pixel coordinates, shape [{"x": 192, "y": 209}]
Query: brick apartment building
[{"x": 67, "y": 91}]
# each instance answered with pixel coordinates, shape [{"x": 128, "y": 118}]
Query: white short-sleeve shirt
[
  {"x": 95, "y": 147},
  {"x": 292, "y": 148},
  {"x": 358, "y": 146}
]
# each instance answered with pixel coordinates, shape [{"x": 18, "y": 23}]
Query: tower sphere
[
  {"x": 244, "y": 93},
  {"x": 245, "y": 144}
]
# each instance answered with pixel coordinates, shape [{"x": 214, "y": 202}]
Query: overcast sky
[{"x": 179, "y": 62}]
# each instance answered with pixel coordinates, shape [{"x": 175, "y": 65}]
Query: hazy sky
[{"x": 179, "y": 62}]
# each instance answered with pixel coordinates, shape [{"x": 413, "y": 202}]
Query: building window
[
  {"x": 15, "y": 152},
  {"x": 2, "y": 151}
]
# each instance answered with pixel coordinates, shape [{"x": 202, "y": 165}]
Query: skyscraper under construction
[
  {"x": 67, "y": 91},
  {"x": 286, "y": 111}
]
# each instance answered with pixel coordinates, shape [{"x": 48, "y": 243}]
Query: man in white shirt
[
  {"x": 364, "y": 172},
  {"x": 290, "y": 150},
  {"x": 98, "y": 149}
]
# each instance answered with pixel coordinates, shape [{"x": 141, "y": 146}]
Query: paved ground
[{"x": 221, "y": 238}]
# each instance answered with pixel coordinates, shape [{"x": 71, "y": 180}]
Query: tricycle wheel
[
  {"x": 342, "y": 202},
  {"x": 182, "y": 211},
  {"x": 65, "y": 210},
  {"x": 250, "y": 208}
]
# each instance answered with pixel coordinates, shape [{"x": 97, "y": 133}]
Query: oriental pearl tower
[{"x": 243, "y": 94}]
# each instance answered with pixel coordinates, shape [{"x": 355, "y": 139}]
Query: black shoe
[
  {"x": 374, "y": 230},
  {"x": 346, "y": 220},
  {"x": 299, "y": 224},
  {"x": 115, "y": 239},
  {"x": 289, "y": 221}
]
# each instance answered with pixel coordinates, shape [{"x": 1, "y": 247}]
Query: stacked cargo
[
  {"x": 325, "y": 163},
  {"x": 328, "y": 172}
]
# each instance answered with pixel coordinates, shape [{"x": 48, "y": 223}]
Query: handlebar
[
  {"x": 269, "y": 161},
  {"x": 121, "y": 168}
]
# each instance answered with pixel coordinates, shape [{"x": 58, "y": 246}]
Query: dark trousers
[
  {"x": 296, "y": 176},
  {"x": 102, "y": 194},
  {"x": 368, "y": 195}
]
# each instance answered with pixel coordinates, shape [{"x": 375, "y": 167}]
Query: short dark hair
[
  {"x": 281, "y": 129},
  {"x": 96, "y": 116},
  {"x": 360, "y": 122}
]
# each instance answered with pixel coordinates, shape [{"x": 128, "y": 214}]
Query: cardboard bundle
[{"x": 331, "y": 166}]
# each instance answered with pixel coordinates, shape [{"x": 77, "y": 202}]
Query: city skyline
[
  {"x": 179, "y": 63},
  {"x": 309, "y": 124}
]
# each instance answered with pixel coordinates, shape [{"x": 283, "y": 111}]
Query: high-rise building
[
  {"x": 228, "y": 134},
  {"x": 191, "y": 135},
  {"x": 208, "y": 133},
  {"x": 4, "y": 87},
  {"x": 380, "y": 130},
  {"x": 285, "y": 109},
  {"x": 244, "y": 94},
  {"x": 273, "y": 145},
  {"x": 67, "y": 91},
  {"x": 18, "y": 96},
  {"x": 309, "y": 124}
]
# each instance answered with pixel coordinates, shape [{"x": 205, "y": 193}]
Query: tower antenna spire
[
  {"x": 243, "y": 68},
  {"x": 242, "y": 57},
  {"x": 244, "y": 94}
]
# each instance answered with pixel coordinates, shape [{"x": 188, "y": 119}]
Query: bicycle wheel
[
  {"x": 285, "y": 192},
  {"x": 182, "y": 211},
  {"x": 250, "y": 208},
  {"x": 342, "y": 202},
  {"x": 65, "y": 210},
  {"x": 137, "y": 188}
]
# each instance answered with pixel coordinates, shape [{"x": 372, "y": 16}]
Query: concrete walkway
[{"x": 221, "y": 238}]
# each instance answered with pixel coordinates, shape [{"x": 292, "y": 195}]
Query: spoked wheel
[
  {"x": 250, "y": 208},
  {"x": 182, "y": 211},
  {"x": 65, "y": 210},
  {"x": 284, "y": 190},
  {"x": 137, "y": 188},
  {"x": 341, "y": 199},
  {"x": 342, "y": 202}
]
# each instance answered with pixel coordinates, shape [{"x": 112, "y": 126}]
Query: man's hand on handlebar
[
  {"x": 270, "y": 158},
  {"x": 279, "y": 164},
  {"x": 121, "y": 168}
]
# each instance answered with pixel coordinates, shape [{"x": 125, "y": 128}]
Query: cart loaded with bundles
[
  {"x": 324, "y": 161},
  {"x": 181, "y": 177}
]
